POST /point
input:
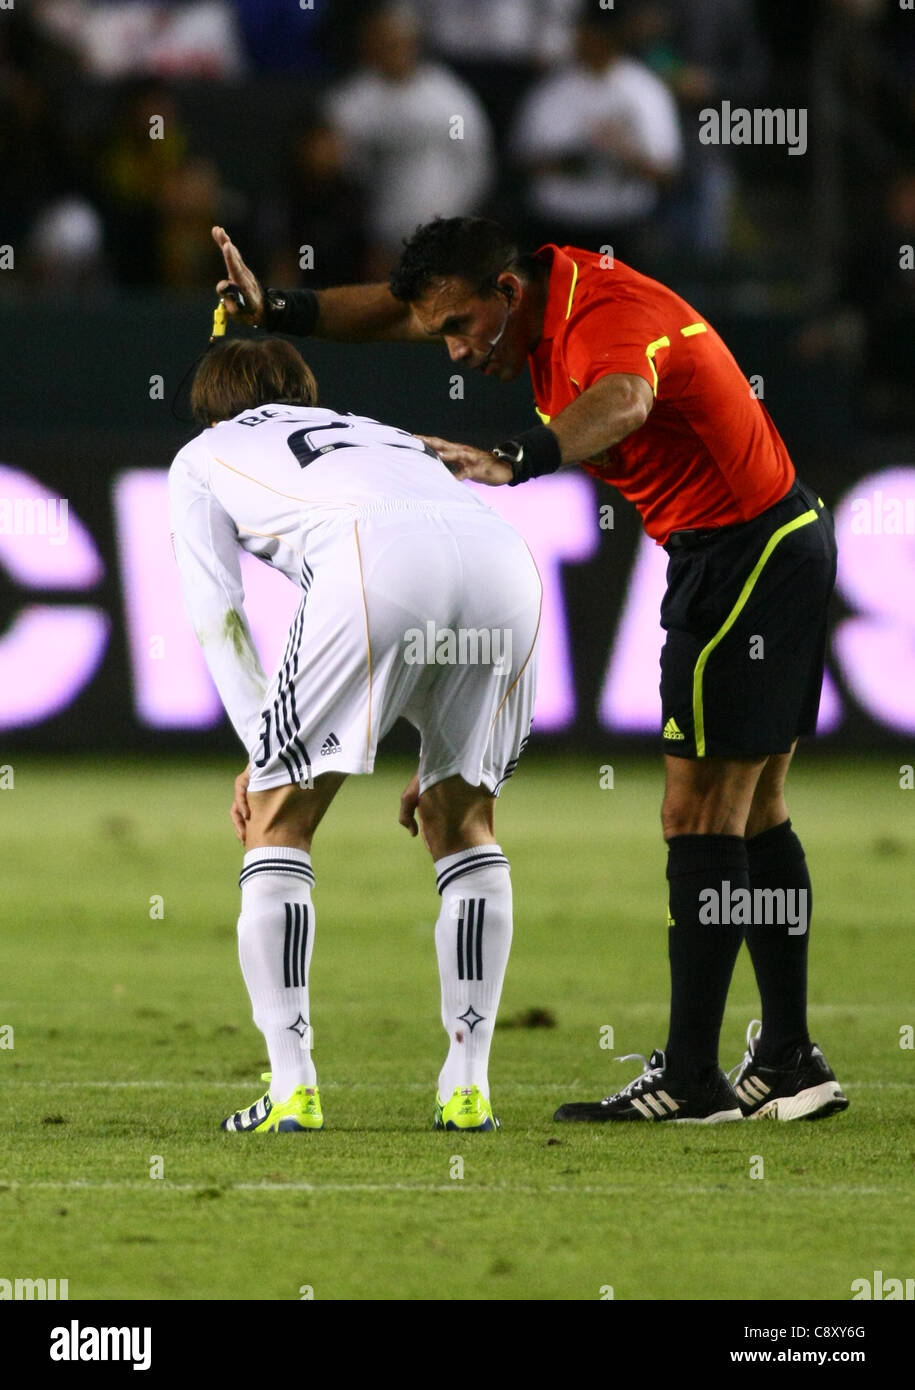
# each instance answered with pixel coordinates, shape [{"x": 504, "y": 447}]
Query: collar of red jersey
[{"x": 563, "y": 278}]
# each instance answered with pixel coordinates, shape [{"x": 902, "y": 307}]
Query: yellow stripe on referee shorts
[{"x": 730, "y": 620}]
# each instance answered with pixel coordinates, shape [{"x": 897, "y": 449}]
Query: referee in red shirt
[{"x": 633, "y": 384}]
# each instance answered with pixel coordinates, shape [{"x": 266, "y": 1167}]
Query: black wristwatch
[
  {"x": 290, "y": 311},
  {"x": 512, "y": 453},
  {"x": 274, "y": 306},
  {"x": 530, "y": 454}
]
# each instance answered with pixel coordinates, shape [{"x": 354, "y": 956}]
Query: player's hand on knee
[
  {"x": 466, "y": 462},
  {"x": 408, "y": 804},
  {"x": 241, "y": 811},
  {"x": 240, "y": 278}
]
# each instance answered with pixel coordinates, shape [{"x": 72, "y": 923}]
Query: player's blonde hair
[{"x": 243, "y": 373}]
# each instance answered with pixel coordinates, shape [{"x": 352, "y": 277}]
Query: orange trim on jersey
[
  {"x": 292, "y": 497},
  {"x": 268, "y": 536},
  {"x": 368, "y": 642}
]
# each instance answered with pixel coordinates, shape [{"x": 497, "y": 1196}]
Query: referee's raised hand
[{"x": 240, "y": 278}]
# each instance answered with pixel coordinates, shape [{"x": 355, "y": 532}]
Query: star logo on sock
[
  {"x": 300, "y": 1026},
  {"x": 471, "y": 1018}
]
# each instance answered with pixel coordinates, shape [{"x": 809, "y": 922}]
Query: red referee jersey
[{"x": 708, "y": 454}]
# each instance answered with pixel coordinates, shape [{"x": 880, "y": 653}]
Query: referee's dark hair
[
  {"x": 475, "y": 249},
  {"x": 242, "y": 373}
]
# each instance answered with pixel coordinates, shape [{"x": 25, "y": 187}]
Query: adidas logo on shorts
[
  {"x": 672, "y": 729},
  {"x": 330, "y": 745}
]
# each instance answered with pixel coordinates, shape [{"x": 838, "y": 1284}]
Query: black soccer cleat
[
  {"x": 652, "y": 1096},
  {"x": 803, "y": 1088}
]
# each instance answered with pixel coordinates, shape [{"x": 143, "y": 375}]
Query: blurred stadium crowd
[{"x": 322, "y": 134}]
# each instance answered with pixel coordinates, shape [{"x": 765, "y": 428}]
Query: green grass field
[{"x": 132, "y": 1039}]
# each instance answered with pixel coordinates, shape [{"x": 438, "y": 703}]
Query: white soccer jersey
[{"x": 378, "y": 535}]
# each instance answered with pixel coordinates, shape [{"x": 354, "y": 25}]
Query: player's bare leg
[
  {"x": 453, "y": 816},
  {"x": 287, "y": 815},
  {"x": 276, "y": 932},
  {"x": 472, "y": 936}
]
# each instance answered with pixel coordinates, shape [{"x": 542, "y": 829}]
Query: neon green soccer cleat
[
  {"x": 301, "y": 1112},
  {"x": 468, "y": 1109}
]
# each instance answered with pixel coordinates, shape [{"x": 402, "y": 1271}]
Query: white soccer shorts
[{"x": 411, "y": 610}]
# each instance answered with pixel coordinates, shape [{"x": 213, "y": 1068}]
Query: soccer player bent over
[
  {"x": 382, "y": 541},
  {"x": 634, "y": 384}
]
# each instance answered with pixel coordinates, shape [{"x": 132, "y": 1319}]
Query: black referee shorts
[{"x": 745, "y": 617}]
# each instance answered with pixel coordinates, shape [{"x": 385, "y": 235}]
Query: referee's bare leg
[{"x": 768, "y": 807}]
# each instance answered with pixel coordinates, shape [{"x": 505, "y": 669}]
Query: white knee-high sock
[
  {"x": 276, "y": 936},
  {"x": 472, "y": 938}
]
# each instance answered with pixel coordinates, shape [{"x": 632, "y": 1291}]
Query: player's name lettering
[
  {"x": 759, "y": 907},
  {"x": 784, "y": 125},
  {"x": 462, "y": 646},
  {"x": 75, "y": 1343}
]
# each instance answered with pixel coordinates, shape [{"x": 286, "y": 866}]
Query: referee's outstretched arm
[
  {"x": 348, "y": 313},
  {"x": 600, "y": 417}
]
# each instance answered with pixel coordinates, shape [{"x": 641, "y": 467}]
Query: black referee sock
[
  {"x": 703, "y": 872},
  {"x": 779, "y": 955}
]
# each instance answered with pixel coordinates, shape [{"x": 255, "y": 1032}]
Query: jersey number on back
[
  {"x": 300, "y": 442},
  {"x": 306, "y": 450}
]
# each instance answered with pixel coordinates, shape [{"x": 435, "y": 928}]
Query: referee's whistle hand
[
  {"x": 239, "y": 277},
  {"x": 468, "y": 463}
]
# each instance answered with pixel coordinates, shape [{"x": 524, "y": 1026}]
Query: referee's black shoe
[
  {"x": 802, "y": 1087},
  {"x": 656, "y": 1096}
]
